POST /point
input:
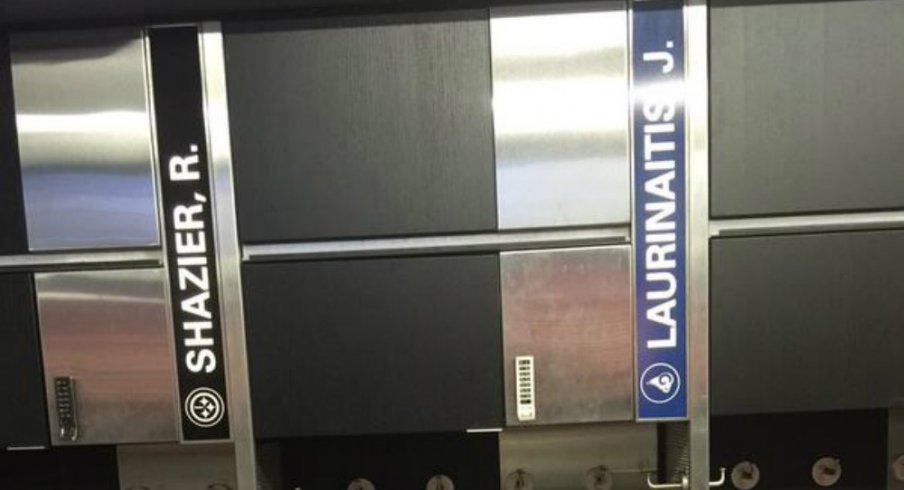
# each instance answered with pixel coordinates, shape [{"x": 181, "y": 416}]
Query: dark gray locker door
[
  {"x": 808, "y": 322},
  {"x": 361, "y": 127},
  {"x": 785, "y": 446},
  {"x": 12, "y": 211},
  {"x": 806, "y": 107},
  {"x": 23, "y": 417},
  {"x": 83, "y": 468},
  {"x": 374, "y": 346},
  {"x": 392, "y": 462}
]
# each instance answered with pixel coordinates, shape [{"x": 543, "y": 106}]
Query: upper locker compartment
[
  {"x": 560, "y": 113},
  {"x": 84, "y": 134},
  {"x": 806, "y": 107},
  {"x": 372, "y": 126}
]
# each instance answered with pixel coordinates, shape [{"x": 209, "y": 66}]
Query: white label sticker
[{"x": 525, "y": 389}]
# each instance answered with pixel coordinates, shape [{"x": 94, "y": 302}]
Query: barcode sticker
[{"x": 525, "y": 389}]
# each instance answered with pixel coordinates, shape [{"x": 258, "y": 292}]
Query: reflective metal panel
[
  {"x": 571, "y": 310},
  {"x": 560, "y": 458},
  {"x": 109, "y": 331},
  {"x": 175, "y": 467},
  {"x": 560, "y": 110},
  {"x": 84, "y": 139}
]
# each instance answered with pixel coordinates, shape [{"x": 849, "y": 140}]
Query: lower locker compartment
[
  {"x": 842, "y": 450},
  {"x": 68, "y": 468},
  {"x": 389, "y": 462},
  {"x": 375, "y": 346}
]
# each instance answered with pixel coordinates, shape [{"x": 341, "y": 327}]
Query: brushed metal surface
[
  {"x": 808, "y": 223},
  {"x": 806, "y": 106},
  {"x": 109, "y": 330},
  {"x": 698, "y": 241},
  {"x": 434, "y": 245},
  {"x": 558, "y": 458},
  {"x": 175, "y": 467},
  {"x": 229, "y": 258},
  {"x": 149, "y": 257},
  {"x": 571, "y": 310},
  {"x": 560, "y": 112},
  {"x": 84, "y": 139}
]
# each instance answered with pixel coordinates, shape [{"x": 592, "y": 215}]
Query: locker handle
[{"x": 684, "y": 484}]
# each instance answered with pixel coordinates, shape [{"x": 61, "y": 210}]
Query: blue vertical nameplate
[{"x": 657, "y": 87}]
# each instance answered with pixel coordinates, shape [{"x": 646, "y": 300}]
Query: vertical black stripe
[
  {"x": 12, "y": 210},
  {"x": 184, "y": 172}
]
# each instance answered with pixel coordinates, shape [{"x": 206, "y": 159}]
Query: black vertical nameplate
[{"x": 190, "y": 253}]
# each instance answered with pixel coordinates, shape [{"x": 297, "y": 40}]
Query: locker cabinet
[
  {"x": 371, "y": 346},
  {"x": 806, "y": 106},
  {"x": 807, "y": 322},
  {"x": 24, "y": 418},
  {"x": 370, "y": 126}
]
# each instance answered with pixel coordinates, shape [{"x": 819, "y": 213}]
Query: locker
[
  {"x": 109, "y": 371},
  {"x": 84, "y": 139},
  {"x": 371, "y": 126},
  {"x": 806, "y": 322},
  {"x": 569, "y": 312},
  {"x": 806, "y": 107},
  {"x": 393, "y": 345}
]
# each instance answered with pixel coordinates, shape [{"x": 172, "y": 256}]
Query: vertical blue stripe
[{"x": 657, "y": 60}]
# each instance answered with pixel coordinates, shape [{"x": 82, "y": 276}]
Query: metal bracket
[{"x": 684, "y": 484}]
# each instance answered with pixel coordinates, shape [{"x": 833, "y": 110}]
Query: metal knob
[
  {"x": 598, "y": 478},
  {"x": 519, "y": 480},
  {"x": 745, "y": 475},
  {"x": 826, "y": 471},
  {"x": 898, "y": 468},
  {"x": 440, "y": 482},
  {"x": 361, "y": 484}
]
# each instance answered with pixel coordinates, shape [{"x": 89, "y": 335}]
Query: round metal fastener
[
  {"x": 519, "y": 480},
  {"x": 440, "y": 482},
  {"x": 898, "y": 468},
  {"x": 745, "y": 475},
  {"x": 598, "y": 478},
  {"x": 361, "y": 484},
  {"x": 826, "y": 471}
]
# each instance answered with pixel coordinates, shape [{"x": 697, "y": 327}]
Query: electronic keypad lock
[{"x": 67, "y": 415}]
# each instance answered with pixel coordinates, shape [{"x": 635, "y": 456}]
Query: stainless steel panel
[
  {"x": 84, "y": 139},
  {"x": 571, "y": 310},
  {"x": 440, "y": 244},
  {"x": 560, "y": 110},
  {"x": 697, "y": 45},
  {"x": 174, "y": 467},
  {"x": 558, "y": 458},
  {"x": 110, "y": 331},
  {"x": 229, "y": 257}
]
